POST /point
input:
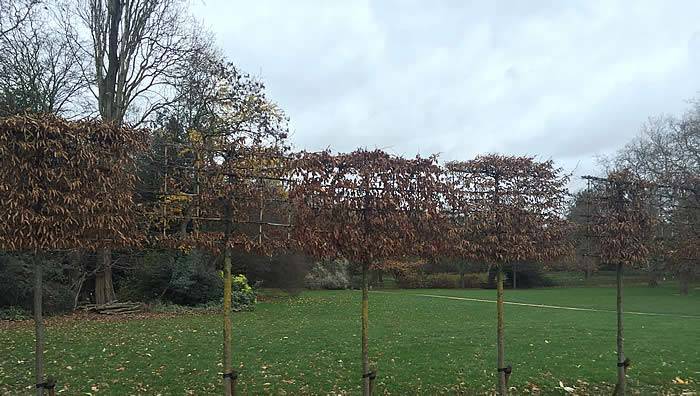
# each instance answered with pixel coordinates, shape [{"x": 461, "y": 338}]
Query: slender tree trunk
[
  {"x": 683, "y": 282},
  {"x": 654, "y": 274},
  {"x": 515, "y": 276},
  {"x": 38, "y": 327},
  {"x": 620, "y": 337},
  {"x": 461, "y": 280},
  {"x": 365, "y": 329},
  {"x": 502, "y": 386},
  {"x": 228, "y": 327}
]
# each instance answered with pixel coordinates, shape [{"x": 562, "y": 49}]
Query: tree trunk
[
  {"x": 684, "y": 282},
  {"x": 461, "y": 280},
  {"x": 620, "y": 337},
  {"x": 38, "y": 327},
  {"x": 515, "y": 277},
  {"x": 502, "y": 386},
  {"x": 228, "y": 327},
  {"x": 104, "y": 288},
  {"x": 365, "y": 329},
  {"x": 653, "y": 279}
]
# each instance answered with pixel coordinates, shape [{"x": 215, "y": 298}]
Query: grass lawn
[{"x": 421, "y": 345}]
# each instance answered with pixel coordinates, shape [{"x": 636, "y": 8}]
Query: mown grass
[{"x": 421, "y": 345}]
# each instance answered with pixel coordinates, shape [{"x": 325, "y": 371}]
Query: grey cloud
[{"x": 562, "y": 80}]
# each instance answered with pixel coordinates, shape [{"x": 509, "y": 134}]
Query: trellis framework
[{"x": 230, "y": 196}]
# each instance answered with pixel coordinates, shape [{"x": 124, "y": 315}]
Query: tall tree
[
  {"x": 135, "y": 48},
  {"x": 505, "y": 210},
  {"x": 218, "y": 171},
  {"x": 580, "y": 214},
  {"x": 38, "y": 71}
]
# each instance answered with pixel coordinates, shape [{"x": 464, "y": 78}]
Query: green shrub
[
  {"x": 174, "y": 277},
  {"x": 443, "y": 281},
  {"x": 14, "y": 313},
  {"x": 243, "y": 297},
  {"x": 420, "y": 280},
  {"x": 528, "y": 275},
  {"x": 17, "y": 283},
  {"x": 332, "y": 275}
]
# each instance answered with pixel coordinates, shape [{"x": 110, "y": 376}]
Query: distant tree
[
  {"x": 38, "y": 71},
  {"x": 683, "y": 240},
  {"x": 506, "y": 210},
  {"x": 55, "y": 179},
  {"x": 667, "y": 153},
  {"x": 367, "y": 207}
]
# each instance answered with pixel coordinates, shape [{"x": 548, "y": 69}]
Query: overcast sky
[{"x": 566, "y": 80}]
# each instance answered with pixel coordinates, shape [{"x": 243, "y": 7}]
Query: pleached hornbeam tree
[
  {"x": 505, "y": 210},
  {"x": 64, "y": 185},
  {"x": 367, "y": 207},
  {"x": 216, "y": 179},
  {"x": 621, "y": 230}
]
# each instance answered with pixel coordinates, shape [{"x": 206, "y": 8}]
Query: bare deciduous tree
[
  {"x": 38, "y": 72},
  {"x": 14, "y": 13},
  {"x": 667, "y": 153},
  {"x": 135, "y": 47}
]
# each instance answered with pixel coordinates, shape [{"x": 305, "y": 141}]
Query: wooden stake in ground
[
  {"x": 502, "y": 385},
  {"x": 228, "y": 326},
  {"x": 38, "y": 328},
  {"x": 366, "y": 390},
  {"x": 621, "y": 362}
]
